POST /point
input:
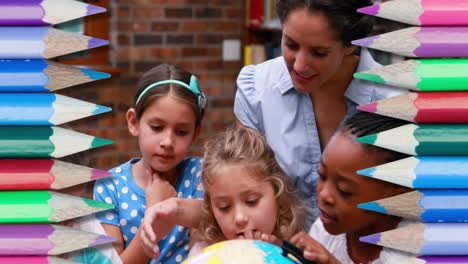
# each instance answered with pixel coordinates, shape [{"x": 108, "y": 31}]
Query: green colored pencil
[
  {"x": 423, "y": 139},
  {"x": 422, "y": 74},
  {"x": 44, "y": 142},
  {"x": 45, "y": 207}
]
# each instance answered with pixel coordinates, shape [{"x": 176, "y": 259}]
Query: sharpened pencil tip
[
  {"x": 97, "y": 204},
  {"x": 96, "y": 42},
  {"x": 101, "y": 109},
  {"x": 99, "y": 142},
  {"x": 95, "y": 75},
  {"x": 102, "y": 240},
  {"x": 372, "y": 10},
  {"x": 370, "y": 139},
  {"x": 372, "y": 206},
  {"x": 371, "y": 108},
  {"x": 369, "y": 172},
  {"x": 371, "y": 239},
  {"x": 364, "y": 42},
  {"x": 92, "y": 9},
  {"x": 98, "y": 174},
  {"x": 369, "y": 77}
]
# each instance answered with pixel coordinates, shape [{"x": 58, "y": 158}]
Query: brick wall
[{"x": 145, "y": 33}]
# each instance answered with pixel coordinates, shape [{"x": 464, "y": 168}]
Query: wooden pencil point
[
  {"x": 369, "y": 77},
  {"x": 369, "y": 139},
  {"x": 369, "y": 10},
  {"x": 366, "y": 172},
  {"x": 372, "y": 206}
]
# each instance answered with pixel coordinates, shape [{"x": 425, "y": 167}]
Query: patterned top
[
  {"x": 337, "y": 246},
  {"x": 129, "y": 200},
  {"x": 267, "y": 101}
]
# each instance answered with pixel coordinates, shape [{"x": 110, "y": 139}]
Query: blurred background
[{"x": 211, "y": 38}]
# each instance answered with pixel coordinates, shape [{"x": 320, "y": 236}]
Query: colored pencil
[
  {"x": 43, "y": 75},
  {"x": 42, "y": 42},
  {"x": 423, "y": 172},
  {"x": 429, "y": 206},
  {"x": 422, "y": 74},
  {"x": 424, "y": 239},
  {"x": 45, "y": 239},
  {"x": 426, "y": 42},
  {"x": 423, "y": 139},
  {"x": 442, "y": 260},
  {"x": 417, "y": 107},
  {"x": 45, "y": 207},
  {"x": 34, "y": 260},
  {"x": 44, "y": 109},
  {"x": 44, "y": 142},
  {"x": 422, "y": 12},
  {"x": 43, "y": 12},
  {"x": 44, "y": 174}
]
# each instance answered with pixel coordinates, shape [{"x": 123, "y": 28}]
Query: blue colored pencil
[
  {"x": 423, "y": 172},
  {"x": 429, "y": 206},
  {"x": 43, "y": 75},
  {"x": 42, "y": 42},
  {"x": 424, "y": 239},
  {"x": 44, "y": 109},
  {"x": 43, "y": 12}
]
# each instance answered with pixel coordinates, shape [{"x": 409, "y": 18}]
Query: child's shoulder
[
  {"x": 124, "y": 168},
  {"x": 191, "y": 165},
  {"x": 120, "y": 173}
]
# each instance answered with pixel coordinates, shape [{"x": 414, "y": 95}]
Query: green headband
[{"x": 193, "y": 87}]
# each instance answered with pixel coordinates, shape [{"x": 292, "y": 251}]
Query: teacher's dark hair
[{"x": 342, "y": 16}]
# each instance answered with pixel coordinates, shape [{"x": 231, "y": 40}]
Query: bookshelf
[{"x": 262, "y": 37}]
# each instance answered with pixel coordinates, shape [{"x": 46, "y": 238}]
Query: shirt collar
[
  {"x": 358, "y": 91},
  {"x": 285, "y": 82}
]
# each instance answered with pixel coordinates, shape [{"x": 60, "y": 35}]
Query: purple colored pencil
[
  {"x": 43, "y": 12},
  {"x": 45, "y": 239},
  {"x": 42, "y": 42},
  {"x": 445, "y": 259},
  {"x": 422, "y": 42}
]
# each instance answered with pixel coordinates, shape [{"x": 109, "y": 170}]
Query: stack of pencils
[
  {"x": 436, "y": 75},
  {"x": 31, "y": 205}
]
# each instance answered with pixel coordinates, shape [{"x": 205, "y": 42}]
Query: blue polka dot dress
[{"x": 121, "y": 190}]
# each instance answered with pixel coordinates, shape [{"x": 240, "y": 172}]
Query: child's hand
[
  {"x": 158, "y": 222},
  {"x": 312, "y": 249},
  {"x": 157, "y": 189}
]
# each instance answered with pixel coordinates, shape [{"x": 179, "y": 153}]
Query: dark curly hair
[
  {"x": 362, "y": 124},
  {"x": 348, "y": 24}
]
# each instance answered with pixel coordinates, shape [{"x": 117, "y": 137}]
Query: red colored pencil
[
  {"x": 435, "y": 107},
  {"x": 34, "y": 174}
]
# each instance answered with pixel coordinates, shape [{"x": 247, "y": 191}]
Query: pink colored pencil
[
  {"x": 422, "y": 12},
  {"x": 33, "y": 260},
  {"x": 35, "y": 174},
  {"x": 436, "y": 107}
]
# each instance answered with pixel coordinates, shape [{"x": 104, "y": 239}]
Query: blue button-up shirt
[{"x": 267, "y": 101}]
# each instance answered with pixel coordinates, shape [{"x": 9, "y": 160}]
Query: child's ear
[
  {"x": 350, "y": 49},
  {"x": 132, "y": 122}
]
